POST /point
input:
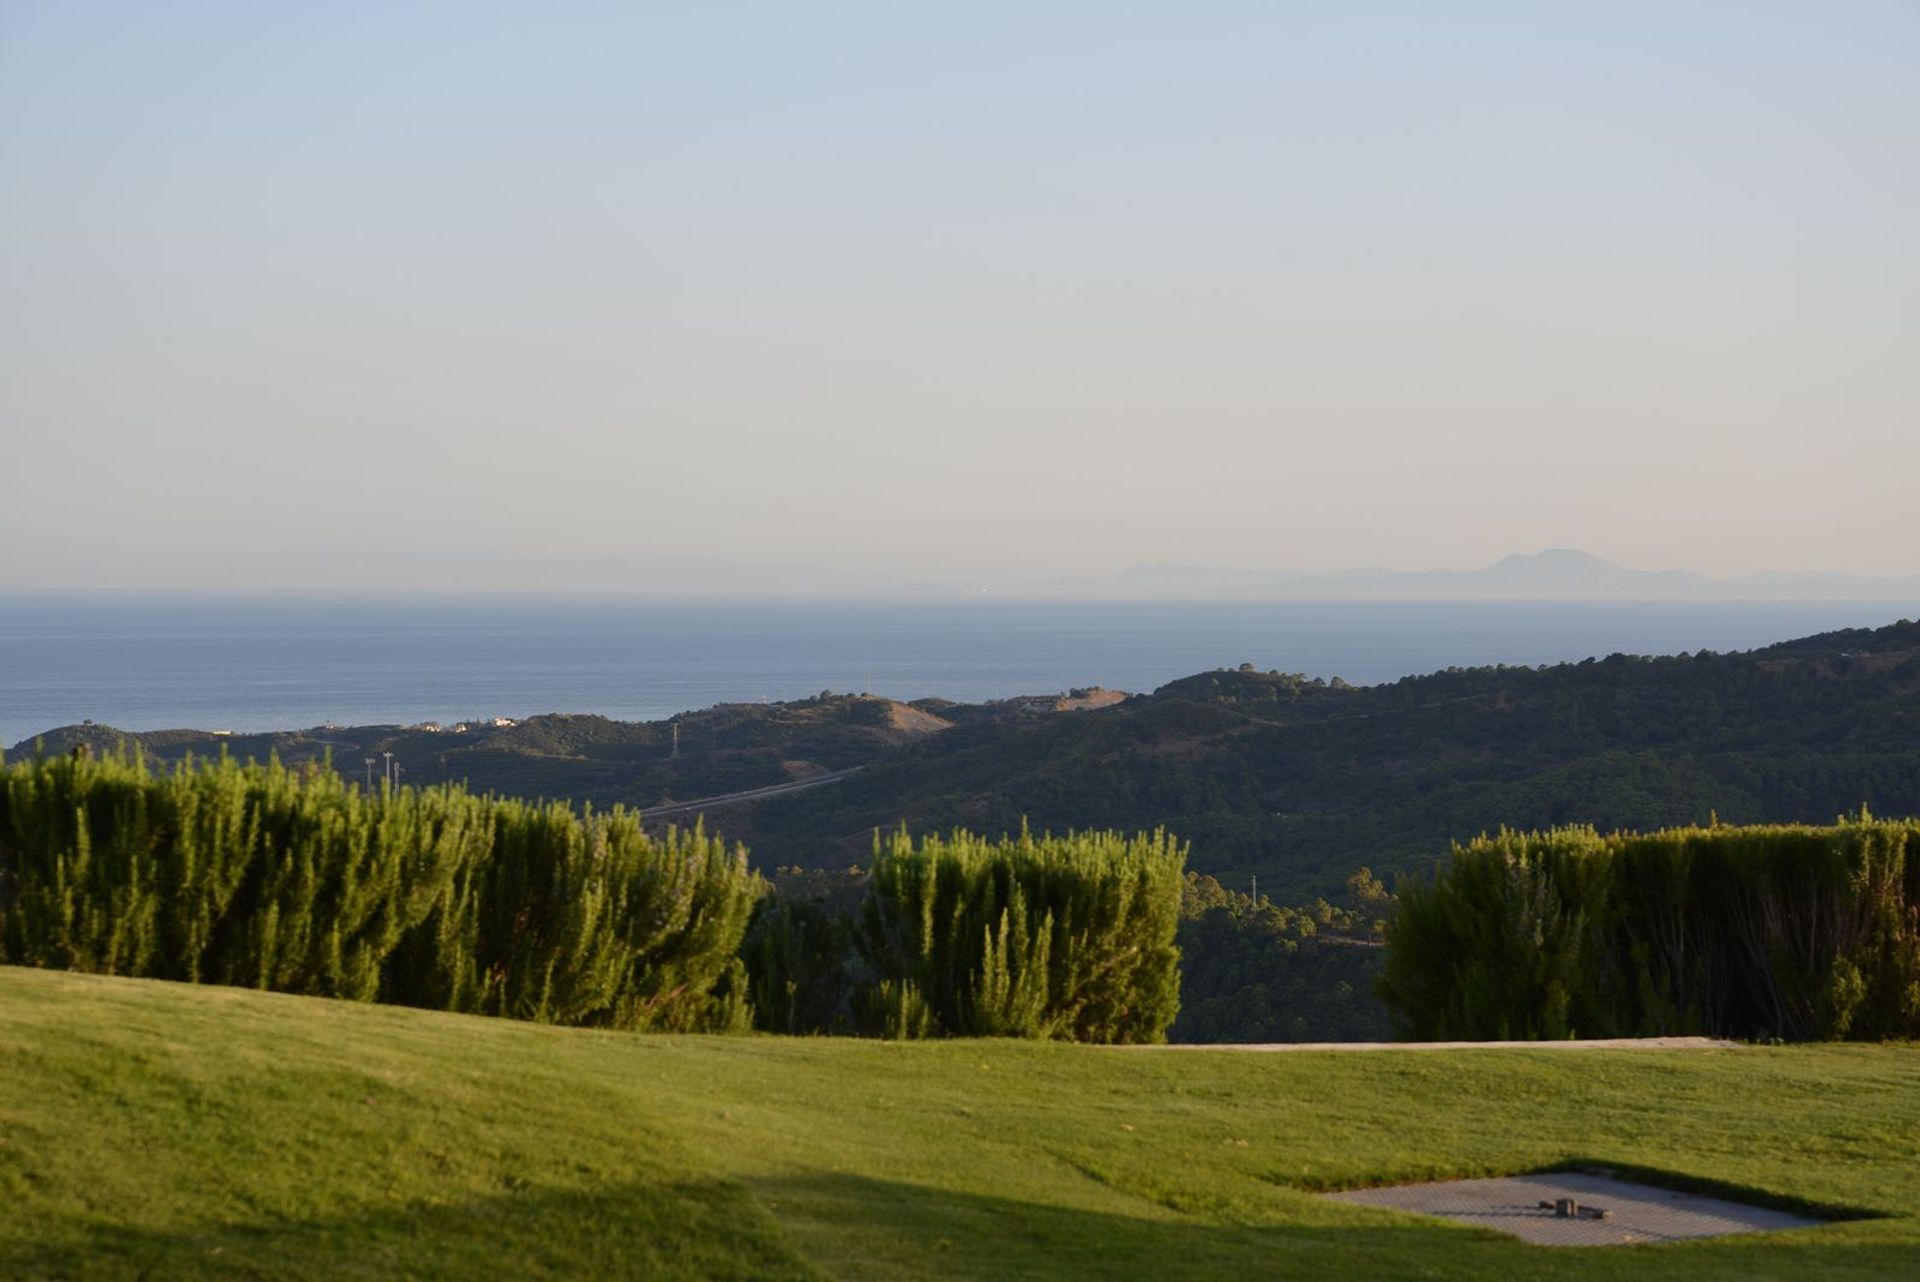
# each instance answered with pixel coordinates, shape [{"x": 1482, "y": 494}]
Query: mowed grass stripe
[{"x": 160, "y": 1130}]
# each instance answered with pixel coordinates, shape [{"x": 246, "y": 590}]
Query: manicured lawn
[{"x": 162, "y": 1131}]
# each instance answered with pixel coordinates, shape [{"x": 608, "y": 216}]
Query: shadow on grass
[
  {"x": 898, "y": 1230},
  {"x": 818, "y": 1225}
]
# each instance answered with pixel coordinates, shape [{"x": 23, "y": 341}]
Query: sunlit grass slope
[{"x": 163, "y": 1131}]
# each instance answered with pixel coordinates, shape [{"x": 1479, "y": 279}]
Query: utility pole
[
  {"x": 1256, "y": 891},
  {"x": 676, "y": 740},
  {"x": 369, "y": 776},
  {"x": 389, "y": 769}
]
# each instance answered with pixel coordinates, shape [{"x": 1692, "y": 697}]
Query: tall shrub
[
  {"x": 1795, "y": 932},
  {"x": 1063, "y": 937},
  {"x": 800, "y": 957},
  {"x": 295, "y": 881}
]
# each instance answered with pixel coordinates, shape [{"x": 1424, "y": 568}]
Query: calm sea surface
[{"x": 261, "y": 663}]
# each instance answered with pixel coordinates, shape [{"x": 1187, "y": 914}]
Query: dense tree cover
[
  {"x": 293, "y": 880},
  {"x": 1256, "y": 971},
  {"x": 1053, "y": 937},
  {"x": 805, "y": 974},
  {"x": 1298, "y": 781},
  {"x": 1068, "y": 937},
  {"x": 1250, "y": 971},
  {"x": 1795, "y": 932},
  {"x": 575, "y": 757},
  {"x": 267, "y": 877}
]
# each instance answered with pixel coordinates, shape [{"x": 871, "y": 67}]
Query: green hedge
[
  {"x": 1068, "y": 937},
  {"x": 1065, "y": 937},
  {"x": 1800, "y": 933},
  {"x": 265, "y": 877}
]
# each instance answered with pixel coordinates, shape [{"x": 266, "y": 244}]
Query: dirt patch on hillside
[
  {"x": 794, "y": 769},
  {"x": 910, "y": 720},
  {"x": 1087, "y": 700}
]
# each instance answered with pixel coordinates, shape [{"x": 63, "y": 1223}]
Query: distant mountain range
[{"x": 1557, "y": 574}]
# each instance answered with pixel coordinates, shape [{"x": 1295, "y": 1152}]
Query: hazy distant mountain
[{"x": 1557, "y": 574}]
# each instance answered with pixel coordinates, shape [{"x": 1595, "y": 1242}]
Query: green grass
[{"x": 160, "y": 1131}]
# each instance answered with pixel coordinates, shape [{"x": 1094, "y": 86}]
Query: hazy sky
[{"x": 466, "y": 294}]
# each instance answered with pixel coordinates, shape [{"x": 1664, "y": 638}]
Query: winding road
[{"x": 749, "y": 794}]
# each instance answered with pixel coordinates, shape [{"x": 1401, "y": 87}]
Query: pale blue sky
[{"x": 468, "y": 295}]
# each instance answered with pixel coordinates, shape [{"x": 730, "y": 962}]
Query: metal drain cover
[{"x": 1529, "y": 1207}]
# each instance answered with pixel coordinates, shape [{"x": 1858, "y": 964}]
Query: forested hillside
[
  {"x": 1295, "y": 781},
  {"x": 1299, "y": 782},
  {"x": 572, "y": 756}
]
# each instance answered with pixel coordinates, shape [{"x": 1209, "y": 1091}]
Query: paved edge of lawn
[{"x": 1586, "y": 1044}]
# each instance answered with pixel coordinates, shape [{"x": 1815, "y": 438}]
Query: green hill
[
  {"x": 163, "y": 1131},
  {"x": 727, "y": 748},
  {"x": 1295, "y": 781},
  {"x": 1299, "y": 782}
]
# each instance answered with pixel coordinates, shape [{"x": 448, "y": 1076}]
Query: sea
[{"x": 248, "y": 663}]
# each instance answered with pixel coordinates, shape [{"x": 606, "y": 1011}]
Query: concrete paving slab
[
  {"x": 1634, "y": 1212},
  {"x": 1574, "y": 1044}
]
